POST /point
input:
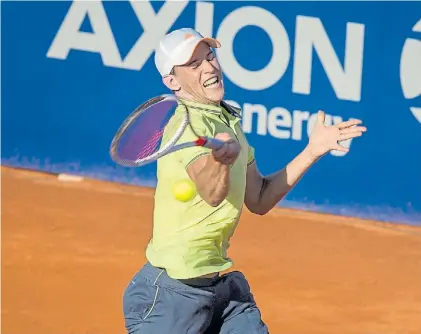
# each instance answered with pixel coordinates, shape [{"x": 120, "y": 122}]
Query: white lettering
[
  {"x": 345, "y": 81},
  {"x": 310, "y": 36},
  {"x": 100, "y": 41},
  {"x": 155, "y": 26},
  {"x": 204, "y": 18},
  {"x": 297, "y": 125},
  {"x": 275, "y": 69},
  {"x": 279, "y": 117},
  {"x": 248, "y": 111}
]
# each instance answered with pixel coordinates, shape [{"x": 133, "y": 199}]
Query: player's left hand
[{"x": 326, "y": 138}]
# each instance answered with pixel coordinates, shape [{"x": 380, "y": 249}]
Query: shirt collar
[
  {"x": 211, "y": 108},
  {"x": 232, "y": 112}
]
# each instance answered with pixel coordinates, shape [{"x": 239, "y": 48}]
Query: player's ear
[{"x": 171, "y": 82}]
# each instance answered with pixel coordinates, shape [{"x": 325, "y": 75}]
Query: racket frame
[{"x": 169, "y": 147}]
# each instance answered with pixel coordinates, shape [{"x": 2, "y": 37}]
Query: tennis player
[{"x": 183, "y": 288}]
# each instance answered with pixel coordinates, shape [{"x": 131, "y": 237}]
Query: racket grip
[{"x": 213, "y": 144}]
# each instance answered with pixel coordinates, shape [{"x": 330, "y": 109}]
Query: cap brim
[{"x": 212, "y": 42}]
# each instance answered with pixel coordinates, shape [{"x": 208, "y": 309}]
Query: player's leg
[
  {"x": 155, "y": 303},
  {"x": 241, "y": 314}
]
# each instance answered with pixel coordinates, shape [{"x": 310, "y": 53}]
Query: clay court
[{"x": 70, "y": 248}]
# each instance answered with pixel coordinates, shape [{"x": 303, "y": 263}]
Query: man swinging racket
[{"x": 181, "y": 289}]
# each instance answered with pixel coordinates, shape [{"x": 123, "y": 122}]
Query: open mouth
[{"x": 212, "y": 82}]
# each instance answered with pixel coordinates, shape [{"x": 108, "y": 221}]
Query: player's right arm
[{"x": 210, "y": 172}]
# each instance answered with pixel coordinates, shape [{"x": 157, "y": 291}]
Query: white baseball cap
[{"x": 177, "y": 48}]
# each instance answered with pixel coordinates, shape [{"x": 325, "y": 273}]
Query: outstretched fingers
[
  {"x": 350, "y": 135},
  {"x": 341, "y": 148},
  {"x": 352, "y": 132},
  {"x": 348, "y": 124}
]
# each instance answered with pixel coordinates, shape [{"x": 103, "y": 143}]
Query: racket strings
[
  {"x": 150, "y": 132},
  {"x": 151, "y": 145}
]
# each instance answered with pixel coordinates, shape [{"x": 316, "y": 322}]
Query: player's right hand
[{"x": 229, "y": 152}]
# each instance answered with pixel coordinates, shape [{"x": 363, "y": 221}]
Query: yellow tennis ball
[{"x": 184, "y": 190}]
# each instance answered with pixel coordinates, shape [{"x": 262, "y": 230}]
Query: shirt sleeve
[
  {"x": 251, "y": 157},
  {"x": 188, "y": 155}
]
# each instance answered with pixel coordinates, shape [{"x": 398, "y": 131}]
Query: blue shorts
[{"x": 154, "y": 303}]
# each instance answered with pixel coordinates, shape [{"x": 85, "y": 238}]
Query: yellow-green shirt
[{"x": 191, "y": 239}]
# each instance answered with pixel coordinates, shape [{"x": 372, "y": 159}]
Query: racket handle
[{"x": 213, "y": 144}]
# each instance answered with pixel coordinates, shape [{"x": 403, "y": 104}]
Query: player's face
[{"x": 201, "y": 78}]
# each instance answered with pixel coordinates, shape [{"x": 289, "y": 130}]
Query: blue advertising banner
[{"x": 72, "y": 71}]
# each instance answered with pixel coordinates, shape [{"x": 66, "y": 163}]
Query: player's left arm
[{"x": 264, "y": 192}]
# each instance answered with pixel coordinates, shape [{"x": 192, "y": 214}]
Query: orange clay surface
[{"x": 70, "y": 248}]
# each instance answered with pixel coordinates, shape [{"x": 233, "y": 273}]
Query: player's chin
[{"x": 215, "y": 94}]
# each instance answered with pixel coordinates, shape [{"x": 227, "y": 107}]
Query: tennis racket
[{"x": 151, "y": 131}]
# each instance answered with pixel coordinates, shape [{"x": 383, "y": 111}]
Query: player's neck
[{"x": 197, "y": 99}]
